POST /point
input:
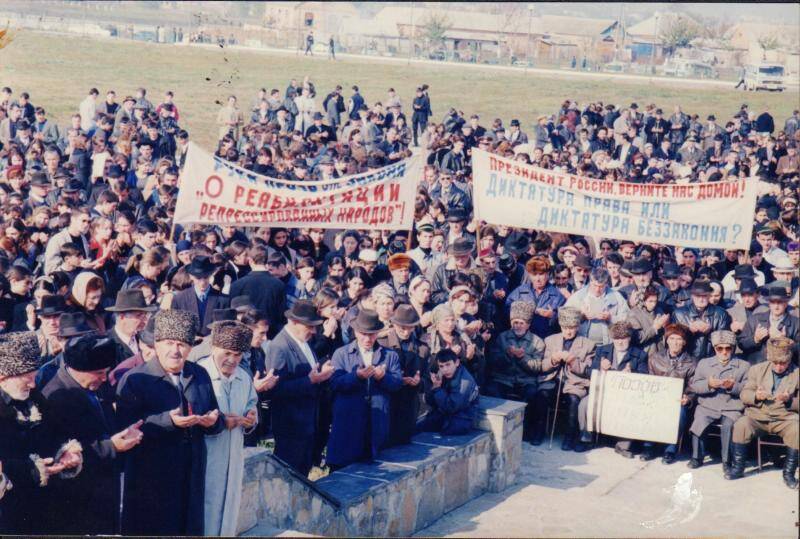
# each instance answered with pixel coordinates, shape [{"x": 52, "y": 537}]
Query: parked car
[{"x": 683, "y": 67}]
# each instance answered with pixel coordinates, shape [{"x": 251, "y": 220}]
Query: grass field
[{"x": 59, "y": 70}]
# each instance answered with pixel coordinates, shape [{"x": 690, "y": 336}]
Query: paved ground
[{"x": 599, "y": 493}]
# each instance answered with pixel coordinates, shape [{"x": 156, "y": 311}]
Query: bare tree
[{"x": 768, "y": 42}]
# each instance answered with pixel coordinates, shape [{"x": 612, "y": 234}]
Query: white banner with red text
[
  {"x": 215, "y": 191},
  {"x": 706, "y": 215}
]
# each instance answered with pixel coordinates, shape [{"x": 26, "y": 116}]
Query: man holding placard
[{"x": 619, "y": 355}]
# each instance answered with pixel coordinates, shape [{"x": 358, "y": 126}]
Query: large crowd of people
[{"x": 138, "y": 357}]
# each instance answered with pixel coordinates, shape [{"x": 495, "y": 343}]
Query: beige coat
[
  {"x": 577, "y": 374},
  {"x": 760, "y": 375},
  {"x": 226, "y": 115}
]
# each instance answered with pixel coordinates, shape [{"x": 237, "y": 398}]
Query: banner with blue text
[
  {"x": 215, "y": 191},
  {"x": 706, "y": 215}
]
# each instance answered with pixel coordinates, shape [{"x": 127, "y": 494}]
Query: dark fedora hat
[
  {"x": 777, "y": 293},
  {"x": 39, "y": 179},
  {"x": 304, "y": 312},
  {"x": 242, "y": 303},
  {"x": 641, "y": 266},
  {"x": 461, "y": 247},
  {"x": 405, "y": 315},
  {"x": 701, "y": 288},
  {"x": 367, "y": 321},
  {"x": 456, "y": 215},
  {"x": 201, "y": 267},
  {"x": 73, "y": 325},
  {"x": 131, "y": 299},
  {"x": 507, "y": 262},
  {"x": 517, "y": 243},
  {"x": 52, "y": 305},
  {"x": 220, "y": 315},
  {"x": 743, "y": 271},
  {"x": 748, "y": 286},
  {"x": 147, "y": 335},
  {"x": 671, "y": 270}
]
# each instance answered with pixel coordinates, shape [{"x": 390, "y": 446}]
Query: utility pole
[
  {"x": 531, "y": 8},
  {"x": 653, "y": 50},
  {"x": 411, "y": 36}
]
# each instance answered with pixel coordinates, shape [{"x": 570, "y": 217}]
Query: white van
[{"x": 764, "y": 77}]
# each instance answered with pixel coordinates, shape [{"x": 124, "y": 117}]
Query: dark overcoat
[
  {"x": 26, "y": 437},
  {"x": 404, "y": 405},
  {"x": 186, "y": 300},
  {"x": 164, "y": 480},
  {"x": 360, "y": 407},
  {"x": 294, "y": 402},
  {"x": 89, "y": 504}
]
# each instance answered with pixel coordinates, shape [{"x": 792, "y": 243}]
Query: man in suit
[
  {"x": 164, "y": 488},
  {"x": 201, "y": 299},
  {"x": 771, "y": 324},
  {"x": 618, "y": 355},
  {"x": 295, "y": 397},
  {"x": 131, "y": 315},
  {"x": 267, "y": 293},
  {"x": 81, "y": 406}
]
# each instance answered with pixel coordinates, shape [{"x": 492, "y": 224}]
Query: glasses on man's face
[{"x": 723, "y": 348}]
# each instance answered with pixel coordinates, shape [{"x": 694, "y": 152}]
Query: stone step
[{"x": 264, "y": 529}]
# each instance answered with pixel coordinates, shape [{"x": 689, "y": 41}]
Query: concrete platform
[{"x": 599, "y": 493}]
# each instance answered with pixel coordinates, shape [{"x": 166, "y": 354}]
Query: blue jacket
[
  {"x": 360, "y": 407},
  {"x": 456, "y": 401},
  {"x": 550, "y": 298}
]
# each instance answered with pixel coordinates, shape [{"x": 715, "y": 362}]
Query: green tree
[{"x": 434, "y": 29}]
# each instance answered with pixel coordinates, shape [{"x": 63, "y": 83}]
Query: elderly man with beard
[
  {"x": 165, "y": 474},
  {"x": 516, "y": 361},
  {"x": 770, "y": 398},
  {"x": 574, "y": 354},
  {"x": 717, "y": 382},
  {"x": 237, "y": 399},
  {"x": 32, "y": 453}
]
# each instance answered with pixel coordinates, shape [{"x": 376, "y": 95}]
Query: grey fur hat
[
  {"x": 723, "y": 336},
  {"x": 176, "y": 325},
  {"x": 19, "y": 353},
  {"x": 522, "y": 310},
  {"x": 231, "y": 335},
  {"x": 569, "y": 317}
]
